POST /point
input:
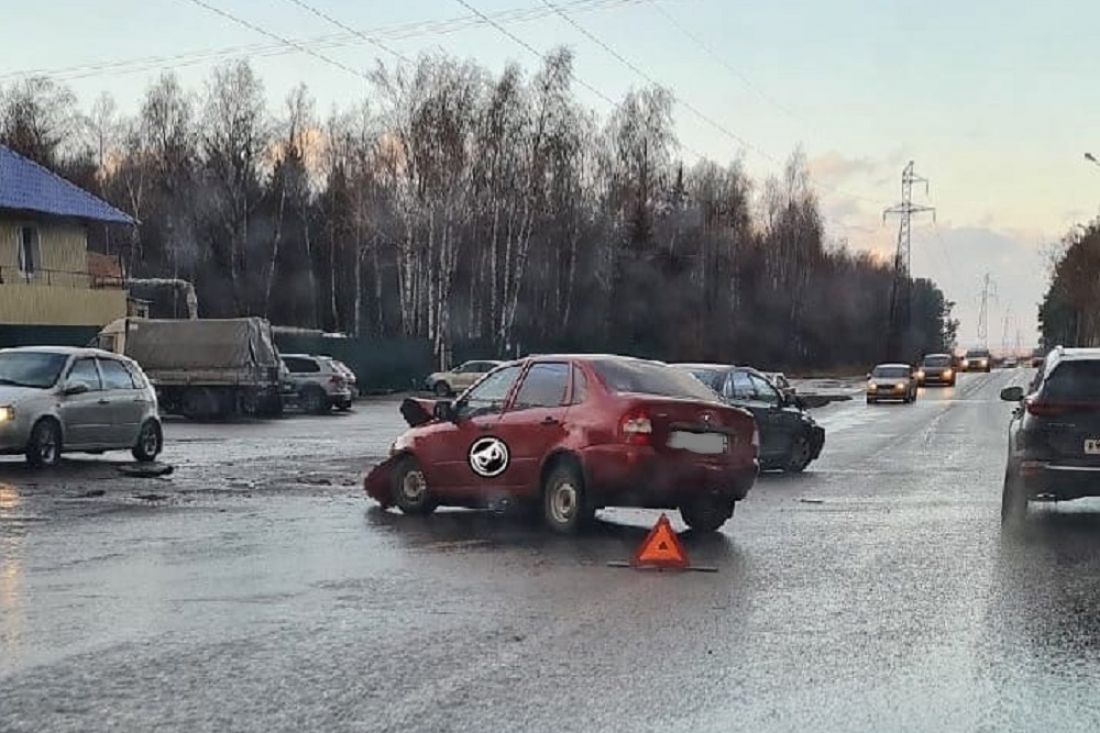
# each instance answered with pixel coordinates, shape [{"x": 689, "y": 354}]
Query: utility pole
[
  {"x": 900, "y": 290},
  {"x": 1004, "y": 330},
  {"x": 989, "y": 290}
]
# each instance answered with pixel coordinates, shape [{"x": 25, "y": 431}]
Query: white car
[
  {"x": 318, "y": 383},
  {"x": 460, "y": 378},
  {"x": 59, "y": 399}
]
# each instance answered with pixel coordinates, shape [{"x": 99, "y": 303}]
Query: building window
[{"x": 30, "y": 254}]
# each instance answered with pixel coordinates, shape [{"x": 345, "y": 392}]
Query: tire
[
  {"x": 315, "y": 400},
  {"x": 44, "y": 445},
  {"x": 1013, "y": 501},
  {"x": 343, "y": 406},
  {"x": 565, "y": 505},
  {"x": 799, "y": 456},
  {"x": 870, "y": 400},
  {"x": 202, "y": 403},
  {"x": 441, "y": 389},
  {"x": 150, "y": 442},
  {"x": 410, "y": 490},
  {"x": 706, "y": 513}
]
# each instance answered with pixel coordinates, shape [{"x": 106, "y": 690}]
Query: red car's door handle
[{"x": 549, "y": 421}]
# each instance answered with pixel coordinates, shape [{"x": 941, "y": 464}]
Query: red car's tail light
[{"x": 636, "y": 427}]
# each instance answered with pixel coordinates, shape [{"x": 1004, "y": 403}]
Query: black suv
[
  {"x": 1054, "y": 436},
  {"x": 789, "y": 437}
]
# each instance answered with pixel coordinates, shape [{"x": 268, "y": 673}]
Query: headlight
[
  {"x": 947, "y": 374},
  {"x": 899, "y": 385},
  {"x": 871, "y": 386},
  {"x": 920, "y": 374},
  {"x": 7, "y": 413}
]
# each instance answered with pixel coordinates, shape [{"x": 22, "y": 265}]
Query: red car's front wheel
[{"x": 410, "y": 489}]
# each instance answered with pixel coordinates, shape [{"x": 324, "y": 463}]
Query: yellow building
[{"x": 51, "y": 288}]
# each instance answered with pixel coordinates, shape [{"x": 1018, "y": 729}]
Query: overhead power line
[
  {"x": 633, "y": 67},
  {"x": 541, "y": 55},
  {"x": 707, "y": 49},
  {"x": 253, "y": 27},
  {"x": 359, "y": 34},
  {"x": 402, "y": 31},
  {"x": 688, "y": 105},
  {"x": 529, "y": 47}
]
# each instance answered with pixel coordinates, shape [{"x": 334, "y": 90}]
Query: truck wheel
[
  {"x": 410, "y": 489},
  {"x": 441, "y": 389},
  {"x": 565, "y": 506},
  {"x": 315, "y": 400},
  {"x": 1014, "y": 501},
  {"x": 149, "y": 443},
  {"x": 200, "y": 403},
  {"x": 706, "y": 513},
  {"x": 799, "y": 457},
  {"x": 44, "y": 446}
]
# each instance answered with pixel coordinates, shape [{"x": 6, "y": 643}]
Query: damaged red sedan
[{"x": 567, "y": 435}]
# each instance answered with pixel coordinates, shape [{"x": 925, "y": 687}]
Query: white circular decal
[{"x": 488, "y": 456}]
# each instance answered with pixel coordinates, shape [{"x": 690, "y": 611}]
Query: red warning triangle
[{"x": 661, "y": 548}]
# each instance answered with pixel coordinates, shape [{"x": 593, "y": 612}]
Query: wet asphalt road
[{"x": 255, "y": 589}]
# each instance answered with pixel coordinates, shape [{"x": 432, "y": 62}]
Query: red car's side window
[
  {"x": 580, "y": 386},
  {"x": 489, "y": 396},
  {"x": 545, "y": 385}
]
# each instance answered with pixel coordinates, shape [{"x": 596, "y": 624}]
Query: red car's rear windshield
[{"x": 648, "y": 378}]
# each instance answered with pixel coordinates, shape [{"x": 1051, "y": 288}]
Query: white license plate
[
  {"x": 1092, "y": 446},
  {"x": 710, "y": 443}
]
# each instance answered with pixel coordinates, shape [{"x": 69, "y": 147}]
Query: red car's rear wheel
[
  {"x": 706, "y": 513},
  {"x": 565, "y": 504}
]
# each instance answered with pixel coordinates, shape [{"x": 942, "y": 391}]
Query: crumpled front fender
[{"x": 378, "y": 483}]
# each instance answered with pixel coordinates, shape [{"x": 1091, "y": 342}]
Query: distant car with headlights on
[
  {"x": 936, "y": 369},
  {"x": 977, "y": 360},
  {"x": 892, "y": 382},
  {"x": 60, "y": 399}
]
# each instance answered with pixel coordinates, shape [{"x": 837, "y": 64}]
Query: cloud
[
  {"x": 957, "y": 258},
  {"x": 834, "y": 168}
]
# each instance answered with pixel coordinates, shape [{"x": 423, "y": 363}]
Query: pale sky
[{"x": 992, "y": 100}]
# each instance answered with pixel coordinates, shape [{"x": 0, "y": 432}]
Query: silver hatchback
[{"x": 56, "y": 399}]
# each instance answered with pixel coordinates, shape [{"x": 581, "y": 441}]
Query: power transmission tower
[
  {"x": 1004, "y": 330},
  {"x": 900, "y": 290},
  {"x": 989, "y": 290}
]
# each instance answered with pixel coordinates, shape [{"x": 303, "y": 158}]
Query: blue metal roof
[{"x": 27, "y": 186}]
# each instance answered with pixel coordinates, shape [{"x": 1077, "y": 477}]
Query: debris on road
[{"x": 146, "y": 470}]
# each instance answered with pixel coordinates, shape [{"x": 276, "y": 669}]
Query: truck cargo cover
[{"x": 200, "y": 344}]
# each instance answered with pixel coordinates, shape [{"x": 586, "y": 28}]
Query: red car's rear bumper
[{"x": 628, "y": 475}]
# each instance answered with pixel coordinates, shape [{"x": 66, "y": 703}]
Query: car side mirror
[
  {"x": 1012, "y": 394},
  {"x": 74, "y": 388},
  {"x": 444, "y": 410}
]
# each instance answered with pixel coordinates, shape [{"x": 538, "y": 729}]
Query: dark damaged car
[{"x": 567, "y": 435}]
